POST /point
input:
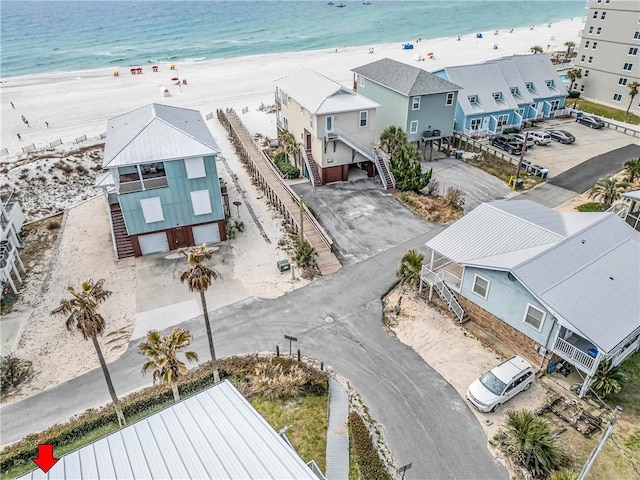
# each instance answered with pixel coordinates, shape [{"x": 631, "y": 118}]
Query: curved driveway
[{"x": 425, "y": 421}]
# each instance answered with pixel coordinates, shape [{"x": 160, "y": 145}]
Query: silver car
[
  {"x": 500, "y": 384},
  {"x": 519, "y": 137},
  {"x": 539, "y": 137}
]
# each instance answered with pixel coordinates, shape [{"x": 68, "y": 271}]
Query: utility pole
[
  {"x": 600, "y": 446},
  {"x": 524, "y": 149},
  {"x": 301, "y": 232}
]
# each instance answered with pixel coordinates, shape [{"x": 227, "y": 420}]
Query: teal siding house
[
  {"x": 422, "y": 104},
  {"x": 162, "y": 182},
  {"x": 551, "y": 286},
  {"x": 505, "y": 93}
]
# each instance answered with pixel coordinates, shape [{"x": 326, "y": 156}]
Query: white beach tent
[{"x": 165, "y": 91}]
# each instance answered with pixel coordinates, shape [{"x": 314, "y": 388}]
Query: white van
[{"x": 540, "y": 138}]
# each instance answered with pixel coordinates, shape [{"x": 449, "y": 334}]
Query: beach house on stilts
[
  {"x": 161, "y": 183},
  {"x": 334, "y": 126}
]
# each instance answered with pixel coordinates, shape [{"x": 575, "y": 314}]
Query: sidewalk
[{"x": 337, "y": 433}]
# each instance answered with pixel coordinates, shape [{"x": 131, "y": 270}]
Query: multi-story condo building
[{"x": 608, "y": 53}]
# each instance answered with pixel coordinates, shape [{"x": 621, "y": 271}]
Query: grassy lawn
[
  {"x": 503, "y": 170},
  {"x": 590, "y": 207},
  {"x": 305, "y": 419},
  {"x": 604, "y": 111}
]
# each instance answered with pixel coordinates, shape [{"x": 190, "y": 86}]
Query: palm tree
[
  {"x": 608, "y": 189},
  {"x": 199, "y": 278},
  {"x": 569, "y": 46},
  {"x": 608, "y": 379},
  {"x": 290, "y": 144},
  {"x": 564, "y": 474},
  {"x": 533, "y": 439},
  {"x": 410, "y": 267},
  {"x": 633, "y": 91},
  {"x": 573, "y": 75},
  {"x": 162, "y": 357},
  {"x": 632, "y": 169},
  {"x": 391, "y": 138},
  {"x": 81, "y": 312},
  {"x": 536, "y": 49}
]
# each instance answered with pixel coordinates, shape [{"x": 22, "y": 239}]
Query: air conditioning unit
[
  {"x": 332, "y": 135},
  {"x": 426, "y": 133},
  {"x": 436, "y": 133}
]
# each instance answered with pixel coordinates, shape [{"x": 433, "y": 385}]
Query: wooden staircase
[
  {"x": 383, "y": 171},
  {"x": 123, "y": 242},
  {"x": 314, "y": 169}
]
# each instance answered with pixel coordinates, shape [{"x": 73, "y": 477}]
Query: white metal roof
[
  {"x": 591, "y": 280},
  {"x": 156, "y": 133},
  {"x": 321, "y": 95},
  {"x": 634, "y": 194},
  {"x": 215, "y": 434},
  {"x": 104, "y": 179}
]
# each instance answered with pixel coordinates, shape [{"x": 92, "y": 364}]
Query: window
[
  {"x": 364, "y": 116},
  {"x": 587, "y": 43},
  {"x": 627, "y": 66},
  {"x": 636, "y": 35},
  {"x": 514, "y": 91},
  {"x": 617, "y": 97},
  {"x": 480, "y": 286},
  {"x": 201, "y": 202},
  {"x": 413, "y": 126},
  {"x": 502, "y": 120},
  {"x": 475, "y": 123},
  {"x": 497, "y": 96},
  {"x": 622, "y": 81},
  {"x": 329, "y": 123},
  {"x": 360, "y": 81},
  {"x": 633, "y": 51},
  {"x": 554, "y": 105},
  {"x": 595, "y": 45},
  {"x": 285, "y": 122},
  {"x": 415, "y": 103},
  {"x": 607, "y": 1},
  {"x": 449, "y": 99},
  {"x": 534, "y": 317},
  {"x": 604, "y": 14},
  {"x": 598, "y": 31},
  {"x": 591, "y": 29},
  {"x": 519, "y": 111},
  {"x": 152, "y": 209},
  {"x": 582, "y": 87},
  {"x": 550, "y": 84},
  {"x": 595, "y": 14},
  {"x": 586, "y": 73},
  {"x": 590, "y": 60},
  {"x": 530, "y": 86},
  {"x": 195, "y": 167},
  {"x": 473, "y": 99},
  {"x": 582, "y": 58},
  {"x": 301, "y": 110},
  {"x": 310, "y": 121}
]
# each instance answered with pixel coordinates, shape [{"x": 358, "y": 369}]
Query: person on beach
[
  {"x": 24, "y": 119},
  {"x": 47, "y": 124},
  {"x": 19, "y": 136},
  {"x": 12, "y": 105}
]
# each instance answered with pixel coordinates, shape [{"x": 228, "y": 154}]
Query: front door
[
  {"x": 307, "y": 142},
  {"x": 180, "y": 238}
]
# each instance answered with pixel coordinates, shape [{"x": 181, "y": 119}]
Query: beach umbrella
[
  {"x": 430, "y": 54},
  {"x": 175, "y": 79}
]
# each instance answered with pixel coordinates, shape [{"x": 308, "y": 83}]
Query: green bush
[
  {"x": 287, "y": 170},
  {"x": 510, "y": 130},
  {"x": 14, "y": 372},
  {"x": 368, "y": 459}
]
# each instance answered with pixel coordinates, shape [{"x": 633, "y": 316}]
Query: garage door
[
  {"x": 206, "y": 234},
  {"x": 153, "y": 243}
]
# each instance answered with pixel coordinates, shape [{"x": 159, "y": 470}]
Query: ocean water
[{"x": 46, "y": 36}]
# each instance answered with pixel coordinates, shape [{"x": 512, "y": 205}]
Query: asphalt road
[{"x": 425, "y": 421}]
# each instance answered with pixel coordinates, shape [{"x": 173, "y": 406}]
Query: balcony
[{"x": 579, "y": 357}]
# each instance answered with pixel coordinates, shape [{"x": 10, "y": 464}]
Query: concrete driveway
[{"x": 362, "y": 218}]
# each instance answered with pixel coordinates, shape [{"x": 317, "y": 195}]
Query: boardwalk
[
  {"x": 338, "y": 433},
  {"x": 279, "y": 193}
]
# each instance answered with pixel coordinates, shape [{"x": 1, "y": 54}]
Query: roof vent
[
  {"x": 610, "y": 278},
  {"x": 583, "y": 241}
]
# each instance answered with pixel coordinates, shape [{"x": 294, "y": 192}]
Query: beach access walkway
[
  {"x": 279, "y": 193},
  {"x": 338, "y": 432}
]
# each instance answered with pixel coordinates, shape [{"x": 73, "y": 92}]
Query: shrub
[
  {"x": 14, "y": 372},
  {"x": 311, "y": 210},
  {"x": 433, "y": 188},
  {"x": 81, "y": 170},
  {"x": 53, "y": 224},
  {"x": 367, "y": 456},
  {"x": 508, "y": 131},
  {"x": 287, "y": 170},
  {"x": 304, "y": 253},
  {"x": 608, "y": 379},
  {"x": 239, "y": 226},
  {"x": 231, "y": 230},
  {"x": 454, "y": 197}
]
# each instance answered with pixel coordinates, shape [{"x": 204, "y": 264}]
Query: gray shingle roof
[
  {"x": 156, "y": 133},
  {"x": 405, "y": 79},
  {"x": 215, "y": 434}
]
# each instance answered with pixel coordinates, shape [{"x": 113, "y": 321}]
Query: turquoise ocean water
[{"x": 45, "y": 36}]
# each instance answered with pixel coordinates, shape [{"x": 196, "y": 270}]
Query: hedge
[
  {"x": 368, "y": 459},
  {"x": 236, "y": 369},
  {"x": 287, "y": 170}
]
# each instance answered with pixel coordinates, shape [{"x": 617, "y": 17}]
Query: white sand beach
[{"x": 80, "y": 103}]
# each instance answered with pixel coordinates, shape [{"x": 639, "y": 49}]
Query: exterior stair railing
[
  {"x": 382, "y": 164},
  {"x": 312, "y": 176},
  {"x": 437, "y": 280}
]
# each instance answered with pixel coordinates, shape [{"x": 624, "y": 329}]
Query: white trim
[
  {"x": 473, "y": 286},
  {"x": 152, "y": 209},
  {"x": 201, "y": 202},
  {"x": 526, "y": 311},
  {"x": 449, "y": 99},
  {"x": 195, "y": 167},
  {"x": 413, "y": 103},
  {"x": 411, "y": 126},
  {"x": 361, "y": 81},
  {"x": 366, "y": 119}
]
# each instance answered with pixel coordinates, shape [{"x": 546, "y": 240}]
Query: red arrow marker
[{"x": 45, "y": 458}]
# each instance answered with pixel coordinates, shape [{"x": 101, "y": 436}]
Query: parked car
[
  {"x": 539, "y": 137},
  {"x": 590, "y": 121},
  {"x": 500, "y": 384},
  {"x": 507, "y": 144},
  {"x": 519, "y": 138},
  {"x": 561, "y": 136}
]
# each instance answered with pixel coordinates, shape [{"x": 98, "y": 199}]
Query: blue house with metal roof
[
  {"x": 550, "y": 285},
  {"x": 505, "y": 93},
  {"x": 162, "y": 181}
]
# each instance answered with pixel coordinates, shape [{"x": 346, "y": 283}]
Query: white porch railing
[
  {"x": 564, "y": 349},
  {"x": 437, "y": 280},
  {"x": 479, "y": 132}
]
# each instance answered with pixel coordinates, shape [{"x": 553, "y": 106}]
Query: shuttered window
[
  {"x": 201, "y": 202},
  {"x": 152, "y": 209},
  {"x": 195, "y": 167}
]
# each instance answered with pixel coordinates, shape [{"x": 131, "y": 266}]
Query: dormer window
[
  {"x": 360, "y": 81},
  {"x": 530, "y": 86},
  {"x": 497, "y": 96},
  {"x": 550, "y": 84},
  {"x": 473, "y": 99},
  {"x": 515, "y": 92}
]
